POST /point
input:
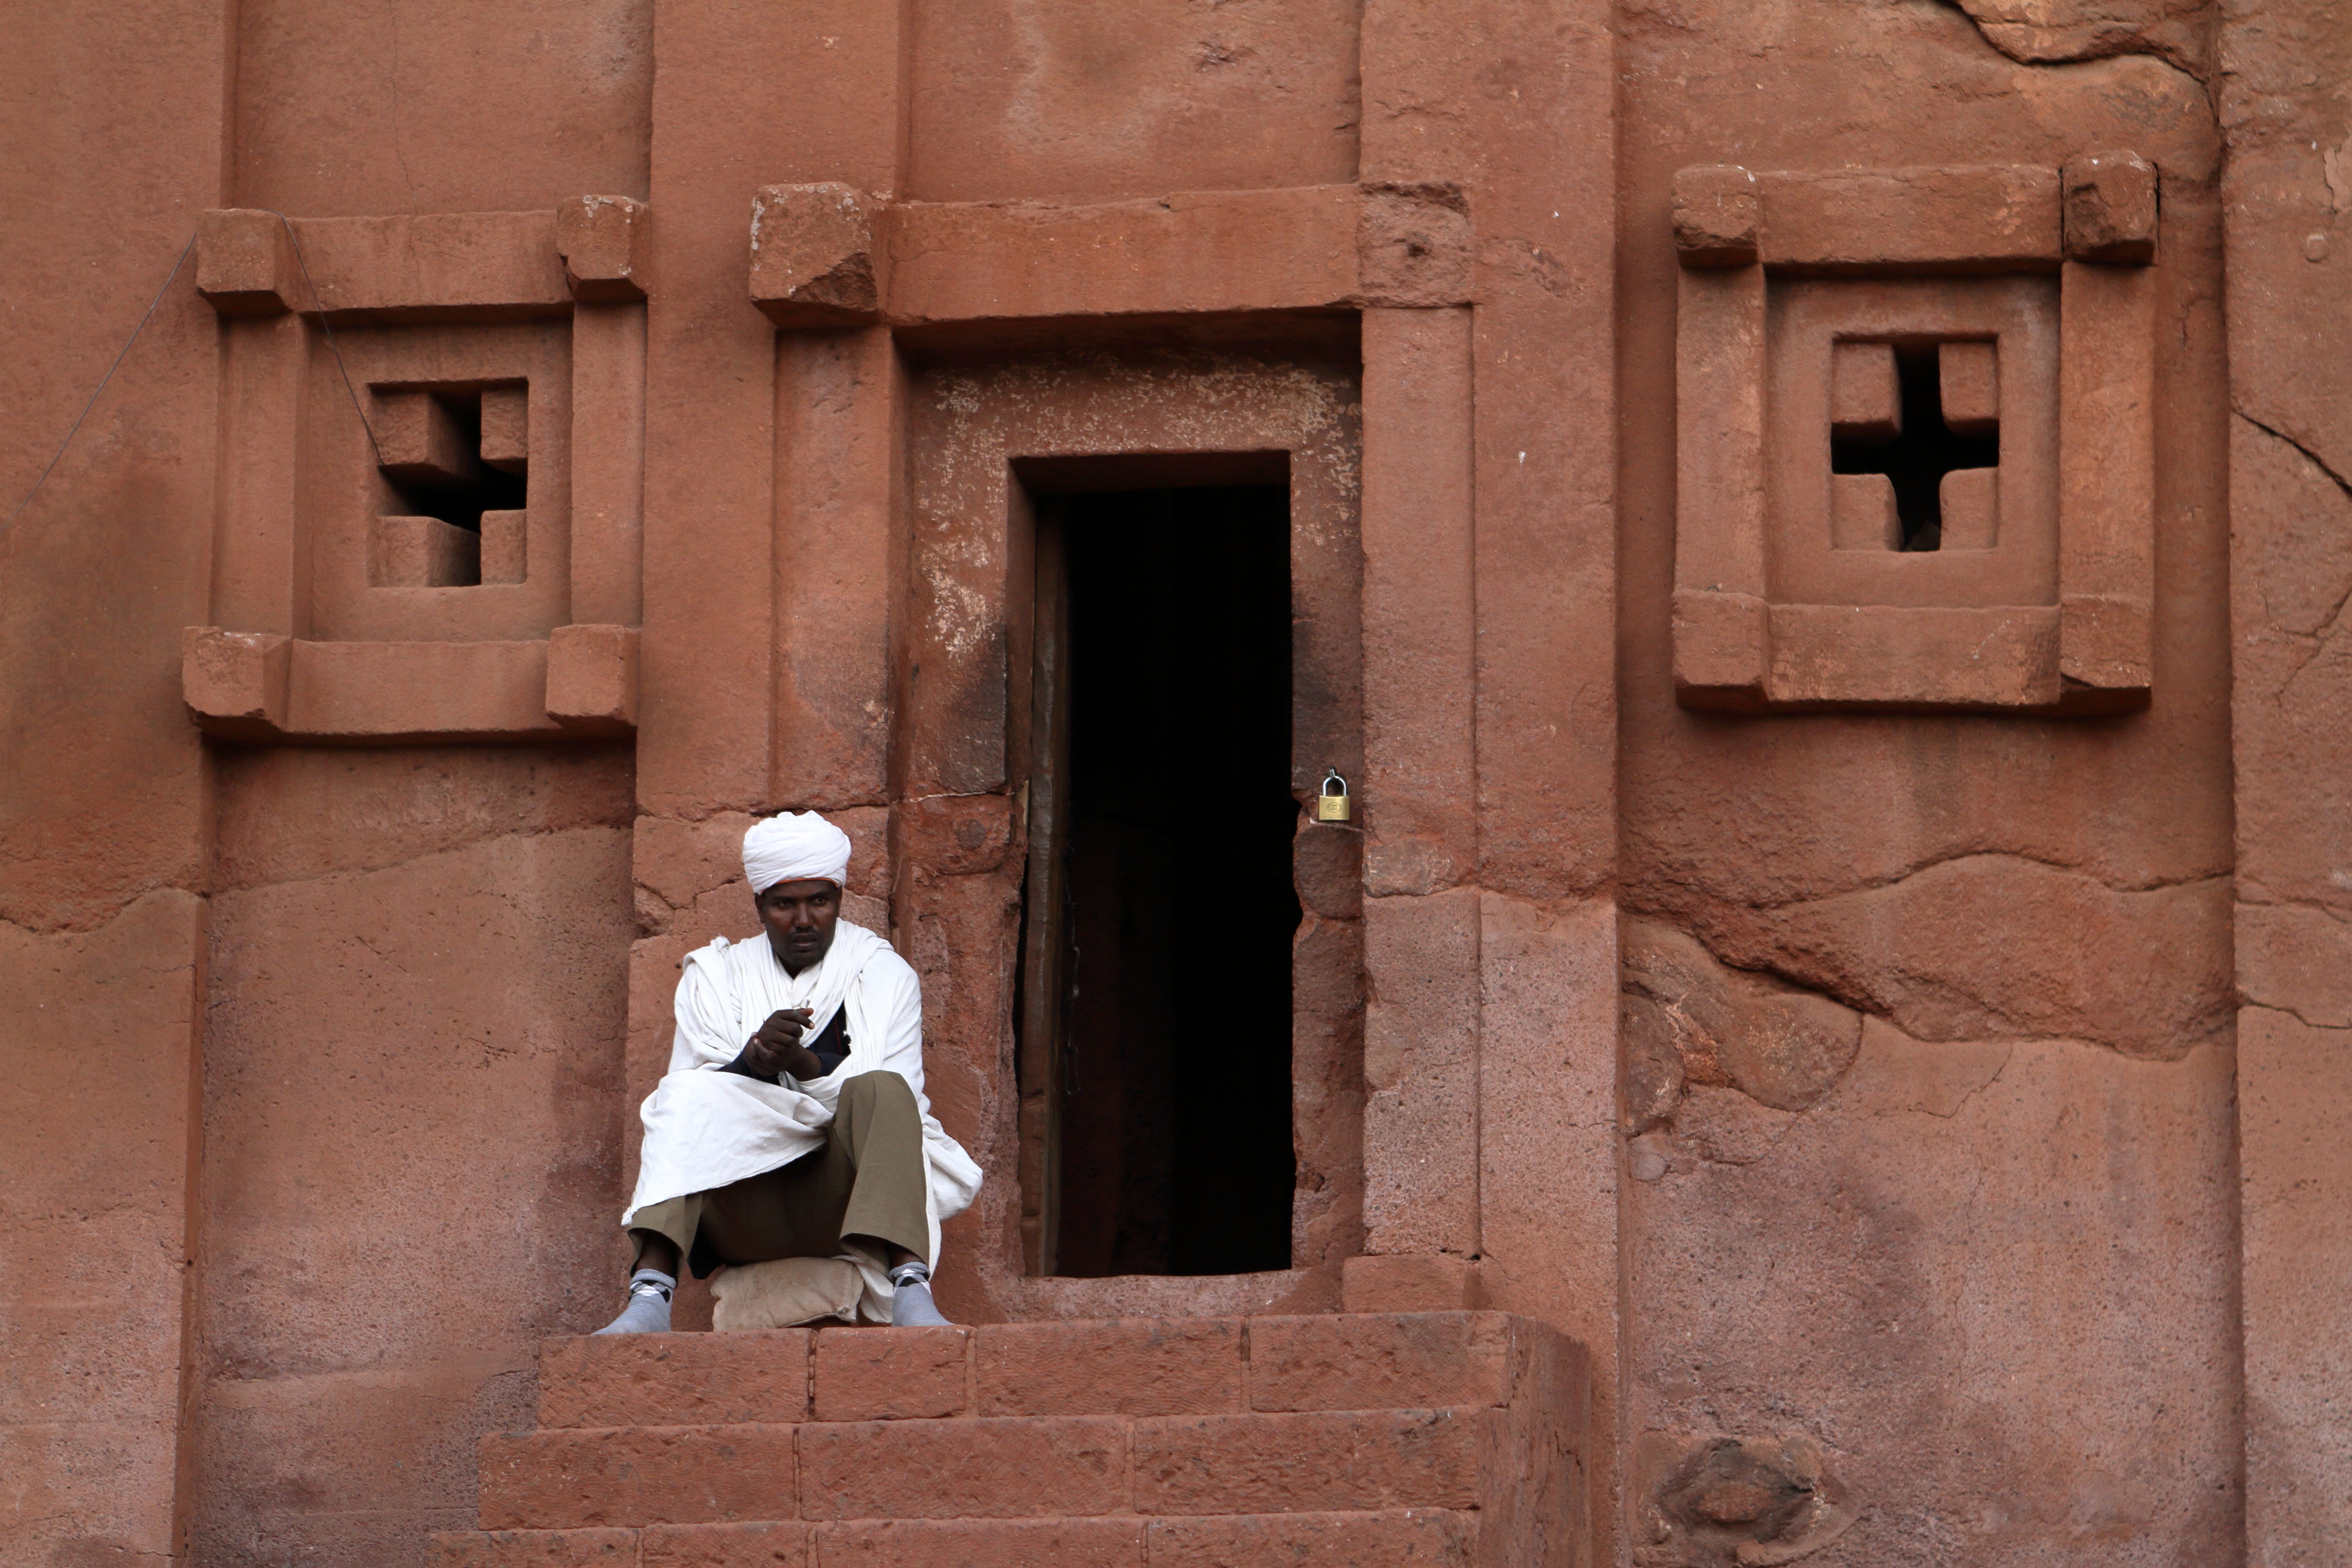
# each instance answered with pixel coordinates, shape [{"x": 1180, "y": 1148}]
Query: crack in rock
[{"x": 2071, "y": 32}]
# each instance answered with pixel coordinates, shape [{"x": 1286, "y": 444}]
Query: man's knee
[{"x": 880, "y": 1087}]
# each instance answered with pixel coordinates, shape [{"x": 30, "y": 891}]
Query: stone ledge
[
  {"x": 431, "y": 267},
  {"x": 258, "y": 687},
  {"x": 1737, "y": 654},
  {"x": 826, "y": 256},
  {"x": 2101, "y": 207}
]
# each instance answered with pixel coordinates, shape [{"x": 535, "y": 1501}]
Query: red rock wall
[
  {"x": 1011, "y": 100},
  {"x": 411, "y": 1117},
  {"x": 1938, "y": 1108},
  {"x": 2286, "y": 190},
  {"x": 345, "y": 108},
  {"x": 1950, "y": 1192},
  {"x": 102, "y": 810}
]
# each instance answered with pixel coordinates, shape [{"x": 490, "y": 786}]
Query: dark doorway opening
[{"x": 1161, "y": 908}]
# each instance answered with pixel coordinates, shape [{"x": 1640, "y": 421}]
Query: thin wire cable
[
  {"x": 60, "y": 456},
  {"x": 303, "y": 262}
]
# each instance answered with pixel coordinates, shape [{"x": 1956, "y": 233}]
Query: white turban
[{"x": 795, "y": 847}]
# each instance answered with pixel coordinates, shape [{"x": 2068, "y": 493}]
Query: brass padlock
[{"x": 1331, "y": 805}]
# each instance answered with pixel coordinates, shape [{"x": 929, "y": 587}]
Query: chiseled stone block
[
  {"x": 812, "y": 256},
  {"x": 422, "y": 552},
  {"x": 506, "y": 429},
  {"x": 418, "y": 440},
  {"x": 1969, "y": 373},
  {"x": 2110, "y": 202},
  {"x": 592, "y": 678},
  {"x": 1717, "y": 215},
  {"x": 1865, "y": 394},
  {"x": 602, "y": 241},
  {"x": 244, "y": 262},
  {"x": 235, "y": 680},
  {"x": 504, "y": 542}
]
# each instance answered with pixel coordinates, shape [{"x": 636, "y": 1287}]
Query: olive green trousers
[{"x": 870, "y": 1179}]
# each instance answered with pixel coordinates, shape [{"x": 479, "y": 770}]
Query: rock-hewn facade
[{"x": 1883, "y": 1010}]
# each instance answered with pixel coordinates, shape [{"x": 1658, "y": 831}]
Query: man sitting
[{"x": 792, "y": 1121}]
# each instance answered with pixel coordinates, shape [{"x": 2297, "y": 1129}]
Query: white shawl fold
[{"x": 705, "y": 1128}]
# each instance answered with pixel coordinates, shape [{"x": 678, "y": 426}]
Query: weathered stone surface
[
  {"x": 1139, "y": 1367},
  {"x": 1956, "y": 1244},
  {"x": 605, "y": 246},
  {"x": 1420, "y": 1158},
  {"x": 569, "y": 1478},
  {"x": 1366, "y": 1361},
  {"x": 986, "y": 1544},
  {"x": 868, "y": 1374},
  {"x": 1744, "y": 831},
  {"x": 335, "y": 952},
  {"x": 341, "y": 950},
  {"x": 813, "y": 254},
  {"x": 1936, "y": 951},
  {"x": 1782, "y": 1047},
  {"x": 1865, "y": 403},
  {"x": 675, "y": 1380},
  {"x": 234, "y": 678},
  {"x": 505, "y": 442},
  {"x": 1387, "y": 1538},
  {"x": 2295, "y": 1114},
  {"x": 419, "y": 439},
  {"x": 2110, "y": 208},
  {"x": 1717, "y": 214},
  {"x": 1256, "y": 101},
  {"x": 536, "y": 1549},
  {"x": 591, "y": 676},
  {"x": 1273, "y": 1464},
  {"x": 2171, "y": 30},
  {"x": 102, "y": 1187},
  {"x": 957, "y": 1469},
  {"x": 1414, "y": 246},
  {"x": 2288, "y": 184},
  {"x": 765, "y": 1544},
  {"x": 245, "y": 264},
  {"x": 1714, "y": 1500},
  {"x": 1950, "y": 219}
]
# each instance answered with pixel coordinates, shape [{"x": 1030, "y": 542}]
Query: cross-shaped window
[
  {"x": 455, "y": 463},
  {"x": 1917, "y": 411}
]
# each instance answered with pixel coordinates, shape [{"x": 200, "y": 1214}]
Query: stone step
[
  {"x": 1392, "y": 1537},
  {"x": 1099, "y": 1366},
  {"x": 983, "y": 1466},
  {"x": 1378, "y": 1439}
]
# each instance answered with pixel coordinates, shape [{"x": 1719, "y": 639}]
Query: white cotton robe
[{"x": 705, "y": 1128}]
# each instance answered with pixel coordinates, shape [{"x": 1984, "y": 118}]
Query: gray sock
[
  {"x": 648, "y": 1309},
  {"x": 911, "y": 1306}
]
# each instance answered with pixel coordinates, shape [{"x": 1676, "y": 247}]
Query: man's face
[{"x": 800, "y": 918}]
